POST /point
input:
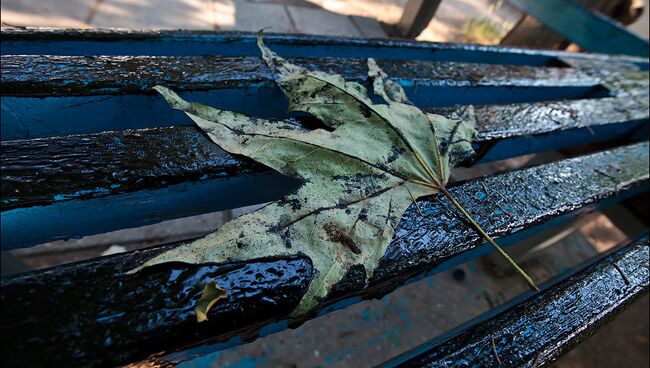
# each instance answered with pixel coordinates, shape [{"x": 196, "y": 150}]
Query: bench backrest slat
[{"x": 197, "y": 43}]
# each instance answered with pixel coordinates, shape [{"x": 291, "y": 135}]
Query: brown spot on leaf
[{"x": 337, "y": 235}]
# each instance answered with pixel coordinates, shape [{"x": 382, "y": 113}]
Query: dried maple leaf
[{"x": 359, "y": 175}]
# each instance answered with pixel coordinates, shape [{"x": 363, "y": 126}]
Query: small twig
[
  {"x": 13, "y": 25},
  {"x": 484, "y": 187},
  {"x": 487, "y": 192},
  {"x": 590, "y": 130},
  {"x": 417, "y": 206},
  {"x": 502, "y": 197},
  {"x": 627, "y": 281},
  {"x": 536, "y": 361},
  {"x": 494, "y": 350},
  {"x": 504, "y": 211},
  {"x": 604, "y": 173}
]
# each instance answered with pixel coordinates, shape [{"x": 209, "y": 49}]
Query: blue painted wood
[
  {"x": 193, "y": 43},
  {"x": 22, "y": 227},
  {"x": 633, "y": 130},
  {"x": 103, "y": 196},
  {"x": 590, "y": 30},
  {"x": 126, "y": 104},
  {"x": 106, "y": 213},
  {"x": 84, "y": 95},
  {"x": 34, "y": 117},
  {"x": 53, "y": 170},
  {"x": 76, "y": 218}
]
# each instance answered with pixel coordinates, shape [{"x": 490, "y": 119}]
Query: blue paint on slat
[
  {"x": 24, "y": 227},
  {"x": 226, "y": 44},
  {"x": 567, "y": 138},
  {"x": 34, "y": 117},
  {"x": 170, "y": 46},
  {"x": 214, "y": 350},
  {"x": 93, "y": 216},
  {"x": 516, "y": 237},
  {"x": 187, "y": 43},
  {"x": 593, "y": 32},
  {"x": 641, "y": 133},
  {"x": 342, "y": 304}
]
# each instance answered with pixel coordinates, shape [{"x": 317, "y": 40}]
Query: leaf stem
[{"x": 503, "y": 253}]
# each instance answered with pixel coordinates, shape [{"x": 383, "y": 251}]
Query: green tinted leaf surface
[{"x": 358, "y": 178}]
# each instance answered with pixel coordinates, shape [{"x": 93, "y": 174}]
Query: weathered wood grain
[
  {"x": 105, "y": 317},
  {"x": 50, "y": 75},
  {"x": 168, "y": 43}
]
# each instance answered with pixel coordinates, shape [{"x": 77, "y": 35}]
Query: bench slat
[
  {"x": 111, "y": 93},
  {"x": 544, "y": 327},
  {"x": 104, "y": 315},
  {"x": 100, "y": 75},
  {"x": 592, "y": 30},
  {"x": 179, "y": 43},
  {"x": 86, "y": 166},
  {"x": 48, "y": 172}
]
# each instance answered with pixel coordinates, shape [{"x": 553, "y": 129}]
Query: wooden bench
[{"x": 88, "y": 148}]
